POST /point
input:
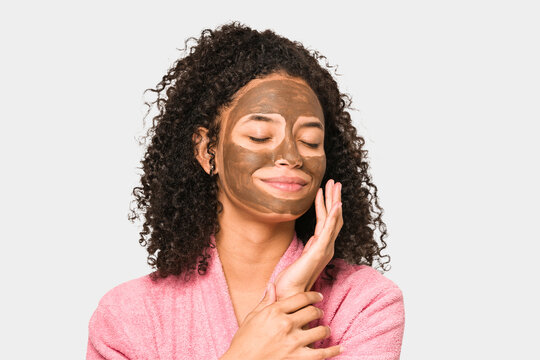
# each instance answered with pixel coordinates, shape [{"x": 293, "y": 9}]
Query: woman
[{"x": 250, "y": 127}]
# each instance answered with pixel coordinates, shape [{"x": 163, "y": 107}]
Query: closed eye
[
  {"x": 259, "y": 140},
  {"x": 314, "y": 146}
]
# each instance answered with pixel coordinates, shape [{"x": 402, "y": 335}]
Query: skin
[
  {"x": 295, "y": 123},
  {"x": 257, "y": 223}
]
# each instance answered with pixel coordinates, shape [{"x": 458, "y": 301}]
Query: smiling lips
[{"x": 289, "y": 184}]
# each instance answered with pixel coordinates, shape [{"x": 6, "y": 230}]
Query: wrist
[{"x": 283, "y": 294}]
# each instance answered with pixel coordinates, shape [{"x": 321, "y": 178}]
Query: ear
[{"x": 200, "y": 141}]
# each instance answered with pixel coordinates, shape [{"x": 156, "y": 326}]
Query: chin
[
  {"x": 277, "y": 215},
  {"x": 279, "y": 218}
]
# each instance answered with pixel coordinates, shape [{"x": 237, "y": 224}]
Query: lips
[
  {"x": 287, "y": 184},
  {"x": 286, "y": 180}
]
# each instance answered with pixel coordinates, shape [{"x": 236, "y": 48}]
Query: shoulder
[
  {"x": 128, "y": 306},
  {"x": 364, "y": 310},
  {"x": 126, "y": 293},
  {"x": 359, "y": 289},
  {"x": 120, "y": 322},
  {"x": 362, "y": 278},
  {"x": 142, "y": 291}
]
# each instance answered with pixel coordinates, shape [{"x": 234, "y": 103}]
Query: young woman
[{"x": 251, "y": 127}]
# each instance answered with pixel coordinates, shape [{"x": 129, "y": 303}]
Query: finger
[
  {"x": 330, "y": 225},
  {"x": 315, "y": 334},
  {"x": 320, "y": 211},
  {"x": 338, "y": 219},
  {"x": 337, "y": 192},
  {"x": 330, "y": 352},
  {"x": 337, "y": 199},
  {"x": 295, "y": 302},
  {"x": 340, "y": 216},
  {"x": 304, "y": 316},
  {"x": 322, "y": 353},
  {"x": 341, "y": 207},
  {"x": 325, "y": 240},
  {"x": 335, "y": 213},
  {"x": 328, "y": 194}
]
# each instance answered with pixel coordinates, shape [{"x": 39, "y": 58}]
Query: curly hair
[{"x": 177, "y": 197}]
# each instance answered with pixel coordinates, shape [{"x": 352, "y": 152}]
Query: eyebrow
[
  {"x": 260, "y": 118},
  {"x": 316, "y": 124},
  {"x": 256, "y": 117}
]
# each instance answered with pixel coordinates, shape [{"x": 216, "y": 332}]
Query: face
[{"x": 274, "y": 128}]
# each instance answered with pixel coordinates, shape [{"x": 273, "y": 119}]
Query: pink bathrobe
[{"x": 170, "y": 319}]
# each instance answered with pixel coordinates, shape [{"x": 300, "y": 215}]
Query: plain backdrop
[{"x": 446, "y": 95}]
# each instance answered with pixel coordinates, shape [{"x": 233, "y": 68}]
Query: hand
[
  {"x": 319, "y": 250},
  {"x": 273, "y": 330}
]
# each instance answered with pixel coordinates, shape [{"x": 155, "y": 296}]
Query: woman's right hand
[{"x": 273, "y": 330}]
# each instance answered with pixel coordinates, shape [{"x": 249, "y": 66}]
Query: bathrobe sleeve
[
  {"x": 121, "y": 327},
  {"x": 376, "y": 329},
  {"x": 106, "y": 337}
]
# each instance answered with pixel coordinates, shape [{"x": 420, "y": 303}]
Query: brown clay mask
[{"x": 274, "y": 129}]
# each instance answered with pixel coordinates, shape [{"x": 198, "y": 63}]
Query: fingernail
[
  {"x": 341, "y": 349},
  {"x": 321, "y": 295}
]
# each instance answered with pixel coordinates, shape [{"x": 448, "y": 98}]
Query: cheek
[
  {"x": 241, "y": 163},
  {"x": 316, "y": 166}
]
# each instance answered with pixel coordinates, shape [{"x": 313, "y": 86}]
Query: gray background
[{"x": 448, "y": 100}]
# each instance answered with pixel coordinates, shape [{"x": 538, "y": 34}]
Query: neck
[{"x": 249, "y": 249}]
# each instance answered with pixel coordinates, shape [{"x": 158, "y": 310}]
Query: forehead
[{"x": 282, "y": 95}]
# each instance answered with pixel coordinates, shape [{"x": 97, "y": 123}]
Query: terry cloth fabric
[{"x": 172, "y": 319}]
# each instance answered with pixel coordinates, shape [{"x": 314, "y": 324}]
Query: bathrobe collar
[{"x": 220, "y": 317}]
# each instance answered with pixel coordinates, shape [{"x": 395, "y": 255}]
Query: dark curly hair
[{"x": 178, "y": 198}]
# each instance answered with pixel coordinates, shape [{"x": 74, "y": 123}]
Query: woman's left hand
[{"x": 319, "y": 250}]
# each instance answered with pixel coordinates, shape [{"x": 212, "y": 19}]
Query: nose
[{"x": 287, "y": 154}]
